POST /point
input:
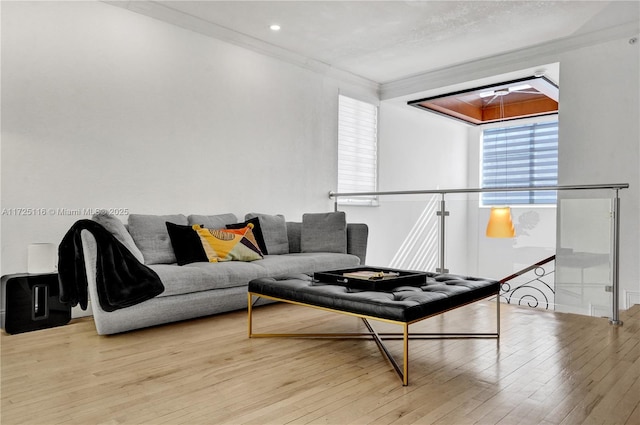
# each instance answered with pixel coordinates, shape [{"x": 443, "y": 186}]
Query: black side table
[{"x": 31, "y": 302}]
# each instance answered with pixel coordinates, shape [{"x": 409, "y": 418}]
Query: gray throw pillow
[
  {"x": 117, "y": 229},
  {"x": 274, "y": 231},
  {"x": 218, "y": 221},
  {"x": 324, "y": 232},
  {"x": 149, "y": 232}
]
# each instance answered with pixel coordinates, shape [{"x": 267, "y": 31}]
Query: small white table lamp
[{"x": 42, "y": 258}]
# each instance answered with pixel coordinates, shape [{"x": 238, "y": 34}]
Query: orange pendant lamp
[{"x": 500, "y": 224}]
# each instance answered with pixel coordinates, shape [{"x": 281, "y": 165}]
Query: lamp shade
[
  {"x": 41, "y": 258},
  {"x": 500, "y": 224}
]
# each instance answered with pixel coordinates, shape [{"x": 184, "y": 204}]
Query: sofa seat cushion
[
  {"x": 204, "y": 276},
  {"x": 279, "y": 265}
]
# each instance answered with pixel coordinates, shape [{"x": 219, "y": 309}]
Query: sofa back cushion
[
  {"x": 149, "y": 232},
  {"x": 324, "y": 232},
  {"x": 274, "y": 232},
  {"x": 294, "y": 231},
  {"x": 118, "y": 230},
  {"x": 218, "y": 221}
]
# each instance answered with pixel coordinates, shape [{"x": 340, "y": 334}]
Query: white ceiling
[{"x": 385, "y": 41}]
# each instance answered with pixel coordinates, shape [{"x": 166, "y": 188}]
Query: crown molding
[
  {"x": 193, "y": 23},
  {"x": 511, "y": 61},
  {"x": 473, "y": 70}
]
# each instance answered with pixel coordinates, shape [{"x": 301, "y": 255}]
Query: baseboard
[
  {"x": 599, "y": 310},
  {"x": 630, "y": 298}
]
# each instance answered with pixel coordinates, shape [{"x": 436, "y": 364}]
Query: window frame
[{"x": 360, "y": 200}]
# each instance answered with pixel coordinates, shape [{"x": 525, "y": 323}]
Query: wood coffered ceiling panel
[{"x": 527, "y": 97}]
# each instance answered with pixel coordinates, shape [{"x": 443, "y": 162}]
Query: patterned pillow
[
  {"x": 229, "y": 244},
  {"x": 195, "y": 243},
  {"x": 256, "y": 229}
]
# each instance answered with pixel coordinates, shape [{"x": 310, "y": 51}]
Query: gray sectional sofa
[{"x": 205, "y": 288}]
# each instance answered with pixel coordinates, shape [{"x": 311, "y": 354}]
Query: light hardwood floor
[{"x": 547, "y": 368}]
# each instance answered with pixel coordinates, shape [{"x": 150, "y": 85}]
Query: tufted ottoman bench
[{"x": 403, "y": 305}]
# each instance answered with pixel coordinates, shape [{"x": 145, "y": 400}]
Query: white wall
[
  {"x": 417, "y": 150},
  {"x": 105, "y": 108},
  {"x": 600, "y": 137}
]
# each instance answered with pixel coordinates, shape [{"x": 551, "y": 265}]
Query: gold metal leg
[
  {"x": 498, "y": 315},
  {"x": 403, "y": 373},
  {"x": 249, "y": 318},
  {"x": 405, "y": 361}
]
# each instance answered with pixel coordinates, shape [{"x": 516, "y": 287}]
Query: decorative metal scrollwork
[{"x": 533, "y": 292}]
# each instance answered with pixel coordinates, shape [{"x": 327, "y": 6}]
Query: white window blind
[
  {"x": 357, "y": 150},
  {"x": 525, "y": 155}
]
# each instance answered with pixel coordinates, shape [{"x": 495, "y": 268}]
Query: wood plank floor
[{"x": 547, "y": 368}]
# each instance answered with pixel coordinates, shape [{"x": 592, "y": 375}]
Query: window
[
  {"x": 357, "y": 150},
  {"x": 524, "y": 155}
]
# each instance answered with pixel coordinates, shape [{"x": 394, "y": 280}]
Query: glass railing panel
[
  {"x": 583, "y": 277},
  {"x": 498, "y": 258},
  {"x": 405, "y": 233}
]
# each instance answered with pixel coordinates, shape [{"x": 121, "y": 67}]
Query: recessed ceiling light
[{"x": 275, "y": 27}]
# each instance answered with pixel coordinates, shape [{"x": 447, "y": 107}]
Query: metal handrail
[
  {"x": 527, "y": 269},
  {"x": 482, "y": 190},
  {"x": 615, "y": 319}
]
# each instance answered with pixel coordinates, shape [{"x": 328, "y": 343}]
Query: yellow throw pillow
[{"x": 229, "y": 244}]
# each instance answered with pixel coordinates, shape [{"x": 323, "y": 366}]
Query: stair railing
[
  {"x": 508, "y": 291},
  {"x": 442, "y": 213}
]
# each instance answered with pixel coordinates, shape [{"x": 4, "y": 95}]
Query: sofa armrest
[
  {"x": 357, "y": 236},
  {"x": 90, "y": 252}
]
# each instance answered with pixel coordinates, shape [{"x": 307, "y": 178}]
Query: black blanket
[{"x": 121, "y": 279}]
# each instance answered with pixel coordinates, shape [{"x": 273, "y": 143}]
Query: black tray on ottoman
[{"x": 365, "y": 277}]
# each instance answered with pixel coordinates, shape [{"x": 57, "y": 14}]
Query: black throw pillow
[{"x": 186, "y": 244}]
